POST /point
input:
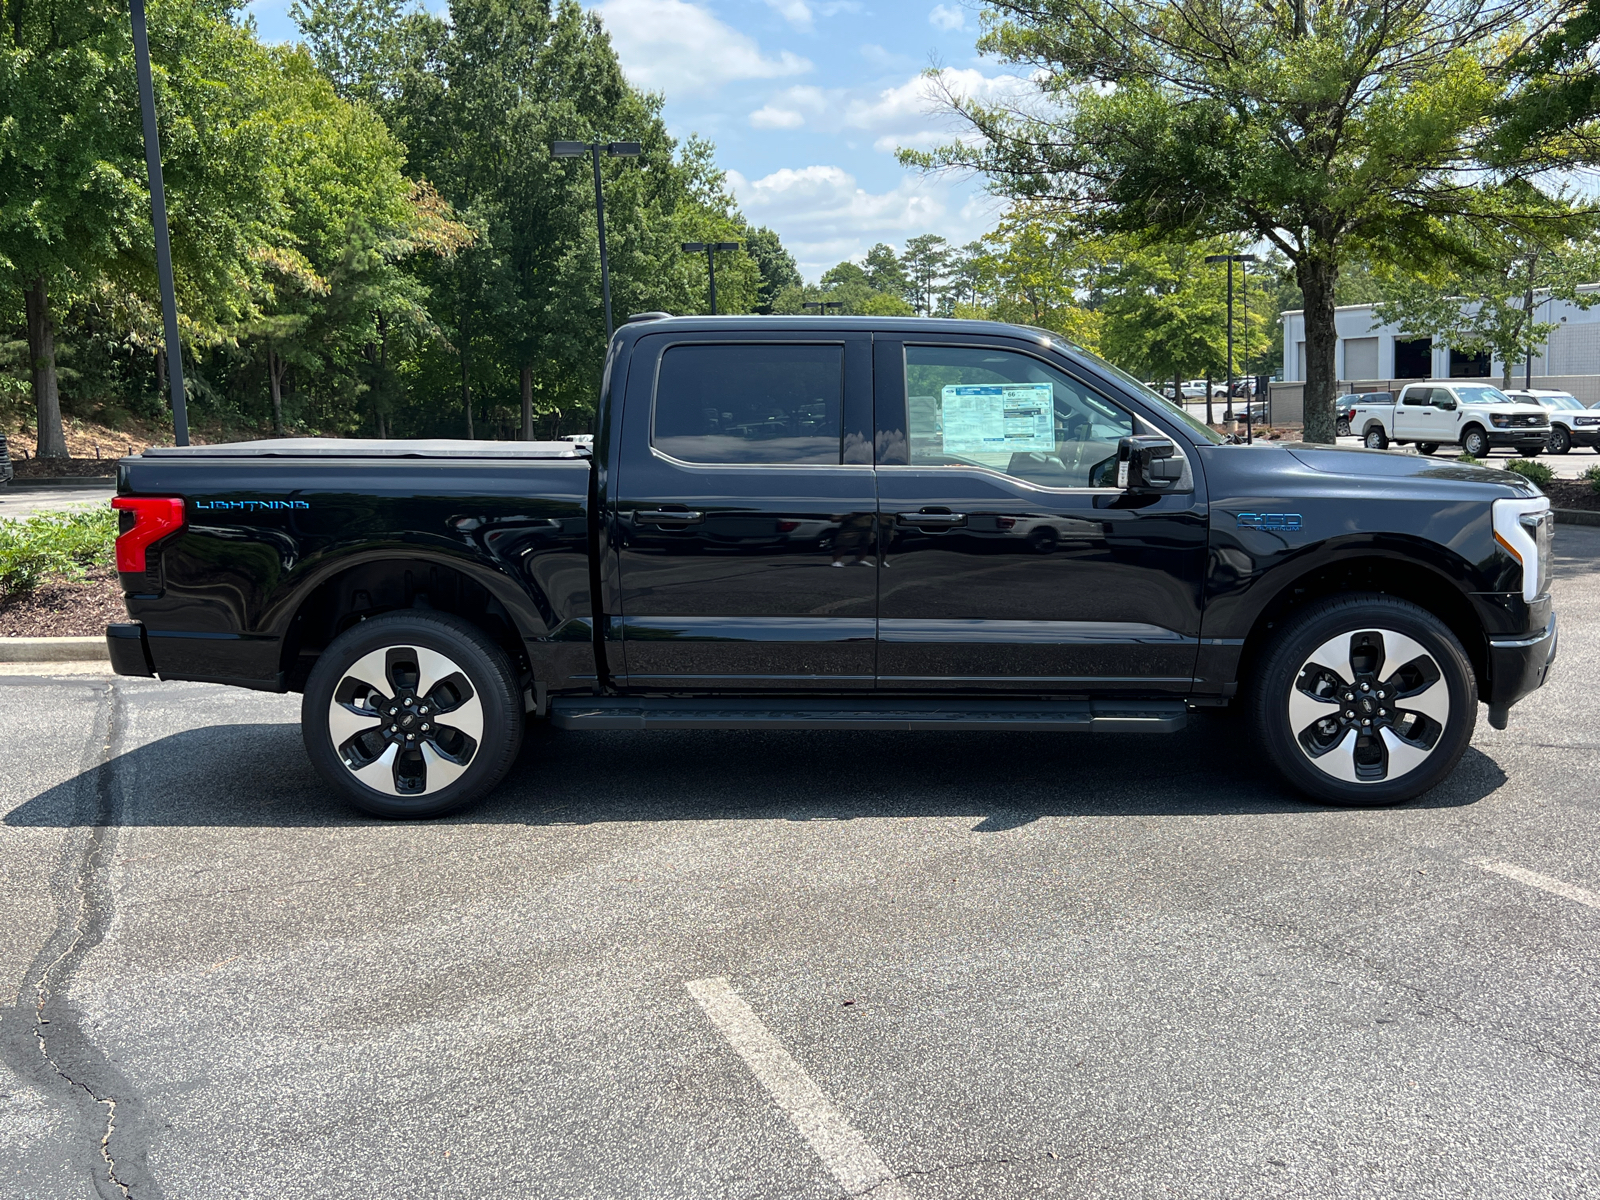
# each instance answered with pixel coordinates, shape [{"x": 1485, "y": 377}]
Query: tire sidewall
[
  {"x": 1298, "y": 640},
  {"x": 1374, "y": 439},
  {"x": 486, "y": 668},
  {"x": 1560, "y": 441},
  {"x": 1475, "y": 437}
]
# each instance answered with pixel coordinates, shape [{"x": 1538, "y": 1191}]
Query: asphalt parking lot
[{"x": 744, "y": 965}]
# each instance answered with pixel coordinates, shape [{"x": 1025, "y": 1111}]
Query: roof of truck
[{"x": 373, "y": 448}]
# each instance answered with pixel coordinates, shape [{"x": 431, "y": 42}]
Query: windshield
[
  {"x": 1176, "y": 411},
  {"x": 1561, "y": 401},
  {"x": 1484, "y": 395}
]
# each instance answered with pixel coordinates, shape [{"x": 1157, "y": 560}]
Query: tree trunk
[
  {"x": 527, "y": 402},
  {"x": 42, "y": 363},
  {"x": 466, "y": 385},
  {"x": 1317, "y": 276},
  {"x": 275, "y": 382}
]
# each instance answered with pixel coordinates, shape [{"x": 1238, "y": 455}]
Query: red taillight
[
  {"x": 788, "y": 526},
  {"x": 153, "y": 518}
]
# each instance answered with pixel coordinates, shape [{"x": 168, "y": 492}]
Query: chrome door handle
[
  {"x": 656, "y": 516},
  {"x": 922, "y": 518}
]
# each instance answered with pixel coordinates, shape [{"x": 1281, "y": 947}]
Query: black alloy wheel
[
  {"x": 412, "y": 714},
  {"x": 1364, "y": 699},
  {"x": 1427, "y": 447},
  {"x": 1560, "y": 440},
  {"x": 1475, "y": 443},
  {"x": 1376, "y": 439}
]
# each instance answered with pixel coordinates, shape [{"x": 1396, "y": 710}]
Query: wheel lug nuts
[
  {"x": 394, "y": 729},
  {"x": 406, "y": 702},
  {"x": 1363, "y": 722},
  {"x": 423, "y": 711},
  {"x": 394, "y": 712},
  {"x": 411, "y": 737},
  {"x": 1349, "y": 716},
  {"x": 425, "y": 727},
  {"x": 1366, "y": 687}
]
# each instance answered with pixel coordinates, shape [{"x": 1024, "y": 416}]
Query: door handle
[
  {"x": 932, "y": 519},
  {"x": 656, "y": 516}
]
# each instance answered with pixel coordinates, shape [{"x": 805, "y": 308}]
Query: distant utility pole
[
  {"x": 614, "y": 150},
  {"x": 158, "y": 218},
  {"x": 1241, "y": 259},
  {"x": 709, "y": 249},
  {"x": 823, "y": 307}
]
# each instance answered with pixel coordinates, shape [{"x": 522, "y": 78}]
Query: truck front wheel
[
  {"x": 1364, "y": 700},
  {"x": 412, "y": 714},
  {"x": 1560, "y": 440},
  {"x": 1475, "y": 442}
]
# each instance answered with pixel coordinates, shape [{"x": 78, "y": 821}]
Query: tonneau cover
[{"x": 372, "y": 448}]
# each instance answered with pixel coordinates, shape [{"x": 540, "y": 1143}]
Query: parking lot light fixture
[
  {"x": 1230, "y": 259},
  {"x": 593, "y": 149},
  {"x": 824, "y": 307},
  {"x": 709, "y": 249}
]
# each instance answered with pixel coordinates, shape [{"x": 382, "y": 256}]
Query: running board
[{"x": 1084, "y": 716}]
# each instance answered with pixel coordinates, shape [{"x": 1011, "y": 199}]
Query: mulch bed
[
  {"x": 57, "y": 468},
  {"x": 1572, "y": 493},
  {"x": 65, "y": 607}
]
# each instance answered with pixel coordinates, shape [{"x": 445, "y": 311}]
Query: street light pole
[
  {"x": 1527, "y": 326},
  {"x": 158, "y": 218},
  {"x": 1230, "y": 259},
  {"x": 710, "y": 249},
  {"x": 614, "y": 150}
]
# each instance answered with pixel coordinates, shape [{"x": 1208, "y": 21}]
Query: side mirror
[{"x": 1148, "y": 463}]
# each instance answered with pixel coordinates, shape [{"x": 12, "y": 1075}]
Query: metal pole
[
  {"x": 600, "y": 220},
  {"x": 1527, "y": 326},
  {"x": 711, "y": 266},
  {"x": 158, "y": 218},
  {"x": 1244, "y": 350}
]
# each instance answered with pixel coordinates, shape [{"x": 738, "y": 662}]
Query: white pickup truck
[{"x": 1440, "y": 412}]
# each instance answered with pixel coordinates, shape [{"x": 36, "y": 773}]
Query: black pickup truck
[{"x": 851, "y": 523}]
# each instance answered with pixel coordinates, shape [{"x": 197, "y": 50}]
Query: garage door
[{"x": 1361, "y": 359}]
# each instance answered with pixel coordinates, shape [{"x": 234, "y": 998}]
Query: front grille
[{"x": 1528, "y": 421}]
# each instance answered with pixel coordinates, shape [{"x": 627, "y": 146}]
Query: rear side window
[
  {"x": 750, "y": 404},
  {"x": 1419, "y": 397}
]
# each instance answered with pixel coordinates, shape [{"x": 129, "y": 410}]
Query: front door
[
  {"x": 743, "y": 514},
  {"x": 1011, "y": 561}
]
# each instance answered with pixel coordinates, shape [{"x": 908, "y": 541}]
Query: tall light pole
[
  {"x": 158, "y": 218},
  {"x": 823, "y": 307},
  {"x": 709, "y": 249},
  {"x": 593, "y": 149},
  {"x": 1230, "y": 259}
]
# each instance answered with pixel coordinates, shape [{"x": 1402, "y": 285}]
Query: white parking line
[
  {"x": 1534, "y": 879},
  {"x": 842, "y": 1150}
]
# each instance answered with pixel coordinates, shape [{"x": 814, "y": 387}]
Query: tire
[
  {"x": 1529, "y": 453},
  {"x": 1341, "y": 428},
  {"x": 1375, "y": 439},
  {"x": 1349, "y": 641},
  {"x": 1560, "y": 440},
  {"x": 1475, "y": 442},
  {"x": 383, "y": 661},
  {"x": 1427, "y": 447}
]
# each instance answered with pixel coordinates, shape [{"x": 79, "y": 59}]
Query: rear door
[
  {"x": 1011, "y": 561},
  {"x": 1415, "y": 416},
  {"x": 743, "y": 514}
]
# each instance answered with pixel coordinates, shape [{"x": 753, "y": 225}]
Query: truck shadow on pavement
[{"x": 257, "y": 775}]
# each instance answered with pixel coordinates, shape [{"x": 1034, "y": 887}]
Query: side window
[
  {"x": 1418, "y": 397},
  {"x": 970, "y": 406},
  {"x": 757, "y": 404}
]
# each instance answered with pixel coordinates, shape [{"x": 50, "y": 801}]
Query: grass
[{"x": 51, "y": 545}]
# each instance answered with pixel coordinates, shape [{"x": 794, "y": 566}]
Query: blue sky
[{"x": 806, "y": 101}]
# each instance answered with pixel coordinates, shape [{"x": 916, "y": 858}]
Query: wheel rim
[
  {"x": 1375, "y": 441},
  {"x": 1474, "y": 446},
  {"x": 1558, "y": 442},
  {"x": 405, "y": 721},
  {"x": 1369, "y": 707}
]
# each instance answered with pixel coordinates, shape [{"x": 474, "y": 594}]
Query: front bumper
[
  {"x": 1517, "y": 666},
  {"x": 1589, "y": 435},
  {"x": 1518, "y": 438}
]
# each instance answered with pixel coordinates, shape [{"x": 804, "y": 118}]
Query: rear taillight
[{"x": 153, "y": 518}]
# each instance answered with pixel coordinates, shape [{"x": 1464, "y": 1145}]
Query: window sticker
[{"x": 1008, "y": 417}]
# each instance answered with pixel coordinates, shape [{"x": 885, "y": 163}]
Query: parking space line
[
  {"x": 1534, "y": 879},
  {"x": 842, "y": 1150}
]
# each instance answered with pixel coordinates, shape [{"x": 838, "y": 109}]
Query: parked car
[
  {"x": 1440, "y": 412},
  {"x": 7, "y": 471},
  {"x": 1343, "y": 405},
  {"x": 1571, "y": 424},
  {"x": 1024, "y": 538}
]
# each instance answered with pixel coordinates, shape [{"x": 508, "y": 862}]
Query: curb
[
  {"x": 1576, "y": 516},
  {"x": 53, "y": 649},
  {"x": 36, "y": 483}
]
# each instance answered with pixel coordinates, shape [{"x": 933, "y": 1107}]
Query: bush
[
  {"x": 48, "y": 544},
  {"x": 1536, "y": 471},
  {"x": 1469, "y": 460},
  {"x": 1592, "y": 478}
]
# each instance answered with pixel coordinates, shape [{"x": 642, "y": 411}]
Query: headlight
[
  {"x": 1524, "y": 529},
  {"x": 1499, "y": 420}
]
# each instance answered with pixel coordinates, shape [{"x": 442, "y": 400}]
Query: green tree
[
  {"x": 926, "y": 261},
  {"x": 777, "y": 266},
  {"x": 1331, "y": 130},
  {"x": 886, "y": 273},
  {"x": 1164, "y": 311}
]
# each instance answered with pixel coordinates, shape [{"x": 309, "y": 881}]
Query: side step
[{"x": 755, "y": 712}]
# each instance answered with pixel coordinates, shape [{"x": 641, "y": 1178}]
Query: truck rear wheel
[
  {"x": 412, "y": 714},
  {"x": 1376, "y": 439},
  {"x": 1365, "y": 700}
]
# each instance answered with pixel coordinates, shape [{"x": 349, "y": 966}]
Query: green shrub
[
  {"x": 1536, "y": 471},
  {"x": 1591, "y": 476},
  {"x": 46, "y": 544},
  {"x": 1469, "y": 460}
]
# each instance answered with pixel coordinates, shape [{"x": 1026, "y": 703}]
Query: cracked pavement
[{"x": 1079, "y": 966}]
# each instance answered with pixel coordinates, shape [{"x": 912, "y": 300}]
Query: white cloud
[
  {"x": 796, "y": 12},
  {"x": 776, "y": 118},
  {"x": 680, "y": 48},
  {"x": 947, "y": 17}
]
